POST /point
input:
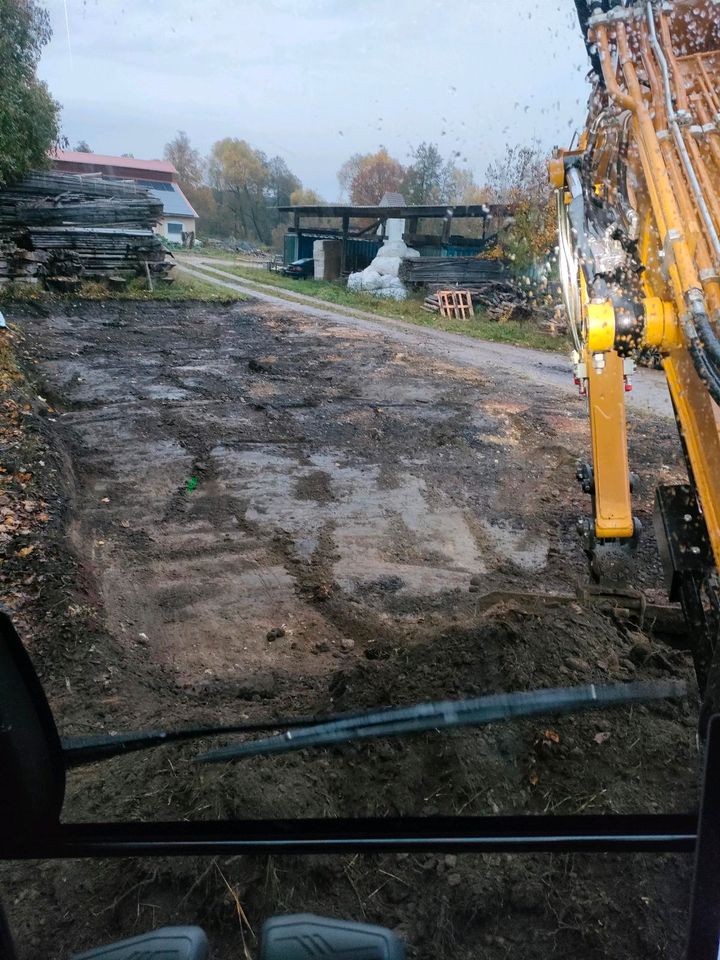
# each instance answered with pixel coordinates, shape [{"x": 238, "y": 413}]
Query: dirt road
[
  {"x": 262, "y": 512},
  {"x": 649, "y": 393}
]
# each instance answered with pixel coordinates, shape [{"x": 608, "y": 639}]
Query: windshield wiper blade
[
  {"x": 452, "y": 713},
  {"x": 90, "y": 748}
]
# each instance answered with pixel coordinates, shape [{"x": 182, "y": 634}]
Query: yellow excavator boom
[{"x": 639, "y": 256}]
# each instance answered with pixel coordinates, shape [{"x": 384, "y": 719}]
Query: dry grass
[{"x": 181, "y": 289}]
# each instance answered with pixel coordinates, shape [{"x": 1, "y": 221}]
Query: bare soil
[{"x": 216, "y": 476}]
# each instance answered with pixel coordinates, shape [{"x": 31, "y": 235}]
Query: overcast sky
[{"x": 318, "y": 80}]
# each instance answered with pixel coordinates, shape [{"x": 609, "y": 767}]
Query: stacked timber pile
[
  {"x": 500, "y": 296},
  {"x": 500, "y": 299},
  {"x": 504, "y": 300},
  {"x": 63, "y": 228},
  {"x": 446, "y": 272}
]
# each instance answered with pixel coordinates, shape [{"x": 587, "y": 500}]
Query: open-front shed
[{"x": 361, "y": 230}]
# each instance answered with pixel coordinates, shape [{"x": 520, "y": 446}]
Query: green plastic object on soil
[{"x": 191, "y": 484}]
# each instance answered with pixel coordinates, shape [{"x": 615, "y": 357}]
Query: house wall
[{"x": 188, "y": 225}]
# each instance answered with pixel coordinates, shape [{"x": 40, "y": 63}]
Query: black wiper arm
[
  {"x": 452, "y": 713},
  {"x": 89, "y": 748}
]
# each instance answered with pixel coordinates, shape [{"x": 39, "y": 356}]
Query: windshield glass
[{"x": 291, "y": 429}]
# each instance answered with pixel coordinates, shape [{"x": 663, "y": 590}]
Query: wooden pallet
[{"x": 456, "y": 304}]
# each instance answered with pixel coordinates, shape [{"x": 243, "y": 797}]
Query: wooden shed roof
[{"x": 441, "y": 211}]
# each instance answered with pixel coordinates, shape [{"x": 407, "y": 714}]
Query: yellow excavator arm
[{"x": 639, "y": 256}]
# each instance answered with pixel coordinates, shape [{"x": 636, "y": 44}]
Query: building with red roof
[{"x": 159, "y": 177}]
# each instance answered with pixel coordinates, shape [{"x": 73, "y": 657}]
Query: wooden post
[
  {"x": 447, "y": 223},
  {"x": 343, "y": 249}
]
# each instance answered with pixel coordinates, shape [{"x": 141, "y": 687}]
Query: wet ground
[
  {"x": 261, "y": 514},
  {"x": 530, "y": 366}
]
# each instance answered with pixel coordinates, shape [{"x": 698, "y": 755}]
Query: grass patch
[
  {"x": 410, "y": 310},
  {"x": 182, "y": 288}
]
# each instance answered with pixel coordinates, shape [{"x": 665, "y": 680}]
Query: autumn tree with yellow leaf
[{"x": 520, "y": 178}]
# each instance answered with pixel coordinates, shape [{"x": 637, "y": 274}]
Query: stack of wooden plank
[
  {"x": 128, "y": 213},
  {"x": 451, "y": 271},
  {"x": 18, "y": 265},
  {"x": 431, "y": 303},
  {"x": 57, "y": 226},
  {"x": 43, "y": 183},
  {"x": 507, "y": 299},
  {"x": 496, "y": 297}
]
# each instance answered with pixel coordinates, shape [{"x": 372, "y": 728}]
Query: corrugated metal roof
[
  {"x": 391, "y": 199},
  {"x": 174, "y": 201},
  {"x": 99, "y": 159}
]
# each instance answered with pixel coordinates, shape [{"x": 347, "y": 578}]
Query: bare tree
[{"x": 185, "y": 159}]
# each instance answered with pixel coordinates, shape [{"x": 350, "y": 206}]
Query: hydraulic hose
[
  {"x": 706, "y": 373},
  {"x": 568, "y": 267},
  {"x": 677, "y": 133},
  {"x": 703, "y": 342},
  {"x": 708, "y": 341},
  {"x": 702, "y": 336},
  {"x": 576, "y": 215}
]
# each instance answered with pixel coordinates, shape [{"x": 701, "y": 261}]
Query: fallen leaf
[
  {"x": 534, "y": 778},
  {"x": 105, "y": 500},
  {"x": 43, "y": 517},
  {"x": 552, "y": 736},
  {"x": 601, "y": 737},
  {"x": 24, "y": 551},
  {"x": 125, "y": 523}
]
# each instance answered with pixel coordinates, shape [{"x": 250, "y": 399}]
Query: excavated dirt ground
[{"x": 211, "y": 474}]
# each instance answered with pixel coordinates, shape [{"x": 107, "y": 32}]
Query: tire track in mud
[
  {"x": 348, "y": 491},
  {"x": 250, "y": 409},
  {"x": 408, "y": 488}
]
